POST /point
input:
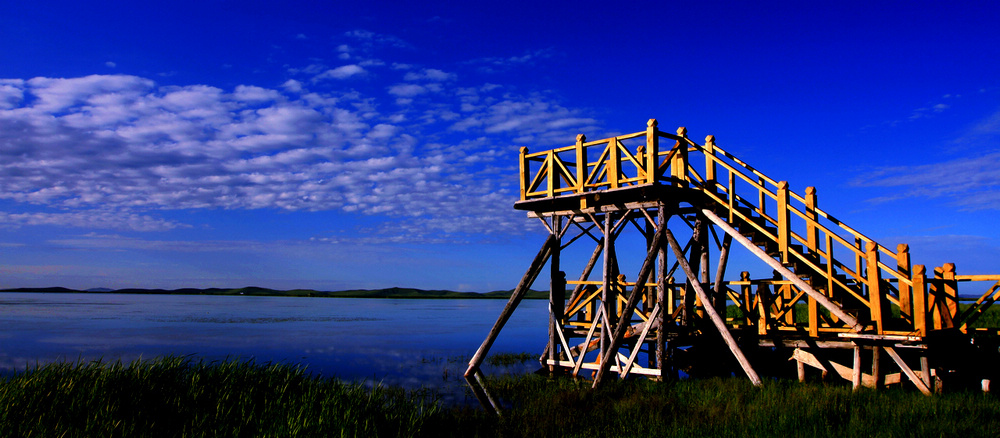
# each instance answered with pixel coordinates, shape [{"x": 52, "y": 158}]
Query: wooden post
[
  {"x": 747, "y": 297},
  {"x": 692, "y": 302},
  {"x": 679, "y": 166},
  {"x": 786, "y": 298},
  {"x": 557, "y": 293},
  {"x": 614, "y": 164},
  {"x": 764, "y": 300},
  {"x": 710, "y": 166},
  {"x": 812, "y": 231},
  {"x": 652, "y": 153},
  {"x": 666, "y": 302},
  {"x": 525, "y": 172},
  {"x": 784, "y": 230},
  {"x": 877, "y": 303},
  {"x": 554, "y": 182},
  {"x": 920, "y": 300},
  {"x": 703, "y": 264},
  {"x": 515, "y": 299},
  {"x": 903, "y": 266},
  {"x": 607, "y": 284},
  {"x": 925, "y": 370},
  {"x": 721, "y": 297},
  {"x": 581, "y": 164},
  {"x": 950, "y": 294}
]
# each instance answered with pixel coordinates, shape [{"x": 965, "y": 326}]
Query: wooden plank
[
  {"x": 638, "y": 343},
  {"x": 515, "y": 299},
  {"x": 798, "y": 282},
  {"x": 719, "y": 323},
  {"x": 586, "y": 342}
]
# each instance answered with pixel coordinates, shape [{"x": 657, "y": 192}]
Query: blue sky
[{"x": 336, "y": 145}]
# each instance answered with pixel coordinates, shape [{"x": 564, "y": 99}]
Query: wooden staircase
[{"x": 834, "y": 289}]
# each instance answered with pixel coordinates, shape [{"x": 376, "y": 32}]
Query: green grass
[{"x": 178, "y": 397}]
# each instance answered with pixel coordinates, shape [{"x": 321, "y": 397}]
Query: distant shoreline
[{"x": 393, "y": 292}]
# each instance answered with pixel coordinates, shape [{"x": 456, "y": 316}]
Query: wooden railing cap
[
  {"x": 682, "y": 131},
  {"x": 580, "y": 138},
  {"x": 710, "y": 140},
  {"x": 651, "y": 123}
]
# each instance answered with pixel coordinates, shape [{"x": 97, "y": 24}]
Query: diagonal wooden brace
[
  {"x": 633, "y": 301},
  {"x": 515, "y": 299},
  {"x": 821, "y": 299},
  {"x": 717, "y": 320}
]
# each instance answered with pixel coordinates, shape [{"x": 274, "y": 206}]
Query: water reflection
[{"x": 410, "y": 343}]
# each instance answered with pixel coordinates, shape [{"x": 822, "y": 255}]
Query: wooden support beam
[
  {"x": 719, "y": 292},
  {"x": 720, "y": 324},
  {"x": 608, "y": 272},
  {"x": 479, "y": 390},
  {"x": 856, "y": 375},
  {"x": 515, "y": 299},
  {"x": 557, "y": 293},
  {"x": 789, "y": 275},
  {"x": 916, "y": 380},
  {"x": 903, "y": 266},
  {"x": 666, "y": 301},
  {"x": 647, "y": 266}
]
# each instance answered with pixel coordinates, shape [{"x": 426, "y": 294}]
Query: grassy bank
[{"x": 176, "y": 397}]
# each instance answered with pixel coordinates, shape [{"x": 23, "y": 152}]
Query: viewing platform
[{"x": 837, "y": 301}]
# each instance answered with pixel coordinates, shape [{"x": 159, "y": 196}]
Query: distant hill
[{"x": 393, "y": 292}]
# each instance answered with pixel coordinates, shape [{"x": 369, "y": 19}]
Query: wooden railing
[{"x": 853, "y": 269}]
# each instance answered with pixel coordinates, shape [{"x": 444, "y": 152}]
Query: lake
[{"x": 411, "y": 343}]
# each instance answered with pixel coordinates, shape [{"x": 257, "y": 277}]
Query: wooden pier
[{"x": 837, "y": 305}]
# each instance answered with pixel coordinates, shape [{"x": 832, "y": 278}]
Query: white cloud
[
  {"x": 970, "y": 181},
  {"x": 111, "y": 151},
  {"x": 90, "y": 219},
  {"x": 429, "y": 74},
  {"x": 342, "y": 72},
  {"x": 407, "y": 90}
]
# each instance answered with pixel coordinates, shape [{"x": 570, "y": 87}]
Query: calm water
[{"x": 412, "y": 343}]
